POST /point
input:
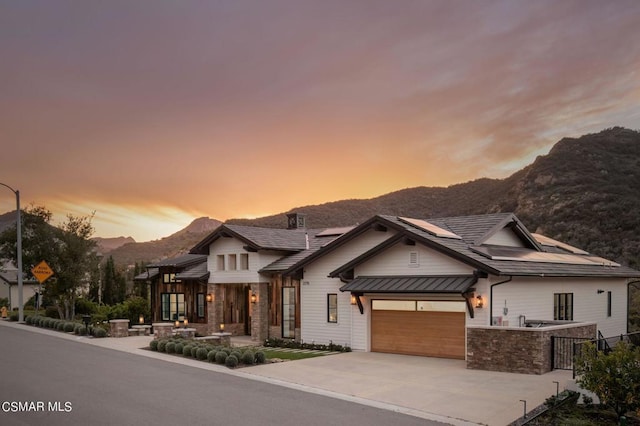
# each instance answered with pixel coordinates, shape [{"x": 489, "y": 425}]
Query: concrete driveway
[{"x": 432, "y": 388}]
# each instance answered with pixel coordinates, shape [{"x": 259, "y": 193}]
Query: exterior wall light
[
  {"x": 209, "y": 297},
  {"x": 353, "y": 299},
  {"x": 177, "y": 323},
  {"x": 185, "y": 323},
  {"x": 141, "y": 319},
  {"x": 479, "y": 302},
  {"x": 254, "y": 298},
  {"x": 221, "y": 327}
]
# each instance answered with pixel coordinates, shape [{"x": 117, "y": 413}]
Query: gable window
[
  {"x": 563, "y": 306},
  {"x": 244, "y": 261},
  {"x": 200, "y": 304},
  {"x": 608, "y": 304},
  {"x": 233, "y": 262},
  {"x": 173, "y": 308},
  {"x": 332, "y": 307},
  {"x": 220, "y": 262}
]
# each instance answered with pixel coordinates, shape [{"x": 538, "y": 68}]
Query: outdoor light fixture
[
  {"x": 185, "y": 323},
  {"x": 479, "y": 302},
  {"x": 177, "y": 323},
  {"x": 209, "y": 297},
  {"x": 353, "y": 299},
  {"x": 141, "y": 319},
  {"x": 221, "y": 327},
  {"x": 254, "y": 298}
]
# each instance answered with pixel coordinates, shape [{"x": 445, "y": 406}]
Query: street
[{"x": 47, "y": 380}]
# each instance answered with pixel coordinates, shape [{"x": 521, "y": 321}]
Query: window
[
  {"x": 173, "y": 308},
  {"x": 169, "y": 278},
  {"x": 200, "y": 304},
  {"x": 233, "y": 262},
  {"x": 563, "y": 306},
  {"x": 244, "y": 261},
  {"x": 332, "y": 307},
  {"x": 608, "y": 304},
  {"x": 220, "y": 262}
]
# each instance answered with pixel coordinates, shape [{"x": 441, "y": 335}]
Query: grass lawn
[{"x": 274, "y": 353}]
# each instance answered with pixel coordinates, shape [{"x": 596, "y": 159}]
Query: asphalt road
[{"x": 52, "y": 381}]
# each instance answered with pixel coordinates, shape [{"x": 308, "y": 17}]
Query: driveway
[{"x": 432, "y": 388}]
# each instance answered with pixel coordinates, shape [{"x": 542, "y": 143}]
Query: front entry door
[{"x": 288, "y": 312}]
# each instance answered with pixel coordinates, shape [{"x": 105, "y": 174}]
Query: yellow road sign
[{"x": 42, "y": 271}]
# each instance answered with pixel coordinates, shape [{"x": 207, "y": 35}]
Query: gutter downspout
[
  {"x": 491, "y": 298},
  {"x": 629, "y": 300}
]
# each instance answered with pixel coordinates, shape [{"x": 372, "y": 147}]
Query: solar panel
[
  {"x": 546, "y": 241},
  {"x": 430, "y": 228},
  {"x": 334, "y": 231}
]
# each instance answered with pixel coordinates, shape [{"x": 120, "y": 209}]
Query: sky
[{"x": 149, "y": 114}]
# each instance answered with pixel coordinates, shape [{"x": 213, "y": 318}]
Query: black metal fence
[{"x": 564, "y": 350}]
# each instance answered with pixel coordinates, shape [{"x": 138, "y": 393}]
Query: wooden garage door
[{"x": 437, "y": 334}]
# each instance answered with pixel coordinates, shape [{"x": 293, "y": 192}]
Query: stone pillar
[
  {"x": 214, "y": 308},
  {"x": 260, "y": 312},
  {"x": 162, "y": 329},
  {"x": 119, "y": 328}
]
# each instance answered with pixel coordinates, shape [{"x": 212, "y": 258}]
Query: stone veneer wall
[
  {"x": 119, "y": 327},
  {"x": 260, "y": 312},
  {"x": 518, "y": 349}
]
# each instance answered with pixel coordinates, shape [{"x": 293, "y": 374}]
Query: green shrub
[
  {"x": 85, "y": 306},
  {"x": 60, "y": 326},
  {"x": 69, "y": 327},
  {"x": 231, "y": 361},
  {"x": 51, "y": 312},
  {"x": 248, "y": 358},
  {"x": 194, "y": 351},
  {"x": 27, "y": 319},
  {"x": 80, "y": 329},
  {"x": 202, "y": 354},
  {"x": 153, "y": 345},
  {"x": 236, "y": 353},
  {"x": 260, "y": 357},
  {"x": 14, "y": 316},
  {"x": 162, "y": 346},
  {"x": 186, "y": 351},
  {"x": 99, "y": 332},
  {"x": 221, "y": 357},
  {"x": 170, "y": 348},
  {"x": 211, "y": 355},
  {"x": 179, "y": 348}
]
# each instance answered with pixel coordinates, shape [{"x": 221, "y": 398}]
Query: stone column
[{"x": 260, "y": 312}]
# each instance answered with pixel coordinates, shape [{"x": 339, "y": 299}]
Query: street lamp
[{"x": 19, "y": 250}]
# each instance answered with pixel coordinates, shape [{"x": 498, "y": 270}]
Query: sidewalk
[{"x": 431, "y": 388}]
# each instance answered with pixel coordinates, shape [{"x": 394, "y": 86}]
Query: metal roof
[
  {"x": 180, "y": 261},
  {"x": 149, "y": 274},
  {"x": 411, "y": 284},
  {"x": 197, "y": 272}
]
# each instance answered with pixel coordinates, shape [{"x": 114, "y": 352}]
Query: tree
[
  {"x": 114, "y": 286},
  {"x": 67, "y": 249},
  {"x": 614, "y": 377}
]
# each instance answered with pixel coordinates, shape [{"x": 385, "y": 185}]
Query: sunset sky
[{"x": 153, "y": 113}]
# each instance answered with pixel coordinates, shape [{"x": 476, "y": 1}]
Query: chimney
[{"x": 296, "y": 221}]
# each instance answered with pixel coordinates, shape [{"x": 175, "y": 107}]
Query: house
[
  {"x": 440, "y": 287},
  {"x": 9, "y": 285}
]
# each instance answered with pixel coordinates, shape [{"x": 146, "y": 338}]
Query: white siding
[
  {"x": 229, "y": 246},
  {"x": 396, "y": 261},
  {"x": 505, "y": 237},
  {"x": 533, "y": 298},
  {"x": 360, "y": 326},
  {"x": 316, "y": 285},
  {"x": 481, "y": 315}
]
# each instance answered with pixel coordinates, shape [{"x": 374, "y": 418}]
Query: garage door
[{"x": 425, "y": 333}]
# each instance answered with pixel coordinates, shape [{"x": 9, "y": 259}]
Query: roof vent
[{"x": 296, "y": 221}]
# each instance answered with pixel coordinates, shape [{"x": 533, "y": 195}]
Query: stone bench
[
  {"x": 143, "y": 330},
  {"x": 136, "y": 332},
  {"x": 223, "y": 339}
]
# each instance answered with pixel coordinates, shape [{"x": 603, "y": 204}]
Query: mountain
[
  {"x": 174, "y": 245},
  {"x": 585, "y": 192},
  {"x": 106, "y": 245}
]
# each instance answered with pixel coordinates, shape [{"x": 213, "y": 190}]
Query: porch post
[{"x": 260, "y": 312}]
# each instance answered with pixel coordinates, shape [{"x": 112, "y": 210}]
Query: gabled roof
[
  {"x": 196, "y": 272},
  {"x": 256, "y": 238},
  {"x": 469, "y": 249}
]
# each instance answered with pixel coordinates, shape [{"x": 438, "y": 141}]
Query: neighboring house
[
  {"x": 410, "y": 286},
  {"x": 9, "y": 285}
]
